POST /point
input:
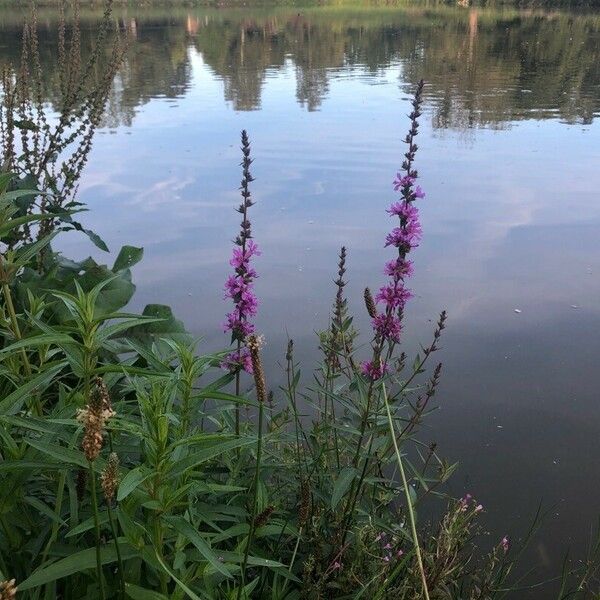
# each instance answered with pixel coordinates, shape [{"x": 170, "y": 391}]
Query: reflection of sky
[{"x": 511, "y": 221}]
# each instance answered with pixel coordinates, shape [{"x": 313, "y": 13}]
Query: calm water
[{"x": 510, "y": 160}]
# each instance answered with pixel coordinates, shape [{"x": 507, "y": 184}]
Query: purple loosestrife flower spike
[
  {"x": 239, "y": 286},
  {"x": 387, "y": 324}
]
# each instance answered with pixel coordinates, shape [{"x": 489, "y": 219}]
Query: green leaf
[
  {"x": 15, "y": 401},
  {"x": 110, "y": 330},
  {"x": 205, "y": 454},
  {"x": 94, "y": 237},
  {"x": 28, "y": 252},
  {"x": 128, "y": 256},
  {"x": 131, "y": 481},
  {"x": 168, "y": 324},
  {"x": 139, "y": 593},
  {"x": 88, "y": 524},
  {"x": 342, "y": 485},
  {"x": 60, "y": 453},
  {"x": 26, "y": 124},
  {"x": 18, "y": 221},
  {"x": 26, "y": 465},
  {"x": 186, "y": 529},
  {"x": 180, "y": 583},
  {"x": 76, "y": 563},
  {"x": 45, "y": 339}
]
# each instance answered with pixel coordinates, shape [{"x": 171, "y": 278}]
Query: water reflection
[{"x": 483, "y": 67}]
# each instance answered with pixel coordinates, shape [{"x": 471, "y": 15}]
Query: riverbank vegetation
[{"x": 137, "y": 463}]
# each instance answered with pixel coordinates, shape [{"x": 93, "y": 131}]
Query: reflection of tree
[
  {"x": 483, "y": 67},
  {"x": 486, "y": 71}
]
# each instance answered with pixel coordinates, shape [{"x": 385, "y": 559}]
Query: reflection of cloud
[{"x": 163, "y": 194}]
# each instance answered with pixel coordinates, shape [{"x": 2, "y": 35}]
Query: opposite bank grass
[{"x": 133, "y": 464}]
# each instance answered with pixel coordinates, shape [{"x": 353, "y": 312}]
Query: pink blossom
[
  {"x": 238, "y": 360},
  {"x": 399, "y": 268},
  {"x": 402, "y": 181},
  {"x": 373, "y": 371}
]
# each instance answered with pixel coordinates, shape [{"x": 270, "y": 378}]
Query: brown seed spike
[
  {"x": 94, "y": 417},
  {"x": 109, "y": 480},
  {"x": 370, "y": 303},
  {"x": 254, "y": 344},
  {"x": 8, "y": 590},
  {"x": 263, "y": 517}
]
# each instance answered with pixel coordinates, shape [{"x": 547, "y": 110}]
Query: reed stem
[
  {"x": 97, "y": 530},
  {"x": 411, "y": 512}
]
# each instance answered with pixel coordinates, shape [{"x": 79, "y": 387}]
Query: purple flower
[
  {"x": 404, "y": 238},
  {"x": 393, "y": 295},
  {"x": 241, "y": 256},
  {"x": 505, "y": 544},
  {"x": 240, "y": 328},
  {"x": 404, "y": 210},
  {"x": 373, "y": 371},
  {"x": 399, "y": 268},
  {"x": 239, "y": 287},
  {"x": 403, "y": 181},
  {"x": 238, "y": 360}
]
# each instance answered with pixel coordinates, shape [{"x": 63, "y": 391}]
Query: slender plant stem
[
  {"x": 411, "y": 512},
  {"x": 97, "y": 529},
  {"x": 295, "y": 550},
  {"x": 58, "y": 507},
  {"x": 17, "y": 332},
  {"x": 254, "y": 497},
  {"x": 237, "y": 393},
  {"x": 117, "y": 549}
]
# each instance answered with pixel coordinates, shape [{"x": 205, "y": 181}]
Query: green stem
[
  {"x": 237, "y": 393},
  {"x": 117, "y": 549},
  {"x": 17, "y": 333},
  {"x": 58, "y": 507},
  {"x": 254, "y": 498},
  {"x": 411, "y": 512},
  {"x": 97, "y": 528}
]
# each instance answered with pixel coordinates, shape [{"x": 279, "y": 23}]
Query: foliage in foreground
[{"x": 133, "y": 466}]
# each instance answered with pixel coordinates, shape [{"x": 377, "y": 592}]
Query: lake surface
[{"x": 510, "y": 160}]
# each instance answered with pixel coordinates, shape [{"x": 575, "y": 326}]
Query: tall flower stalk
[
  {"x": 94, "y": 417},
  {"x": 239, "y": 287},
  {"x": 392, "y": 296},
  {"x": 253, "y": 346}
]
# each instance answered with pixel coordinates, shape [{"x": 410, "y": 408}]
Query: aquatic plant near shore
[
  {"x": 239, "y": 287},
  {"x": 387, "y": 325}
]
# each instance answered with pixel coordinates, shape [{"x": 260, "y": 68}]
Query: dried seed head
[
  {"x": 289, "y": 355},
  {"x": 8, "y": 590},
  {"x": 81, "y": 483},
  {"x": 100, "y": 397},
  {"x": 94, "y": 417},
  {"x": 303, "y": 511},
  {"x": 370, "y": 303},
  {"x": 254, "y": 344},
  {"x": 109, "y": 480},
  {"x": 263, "y": 517}
]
